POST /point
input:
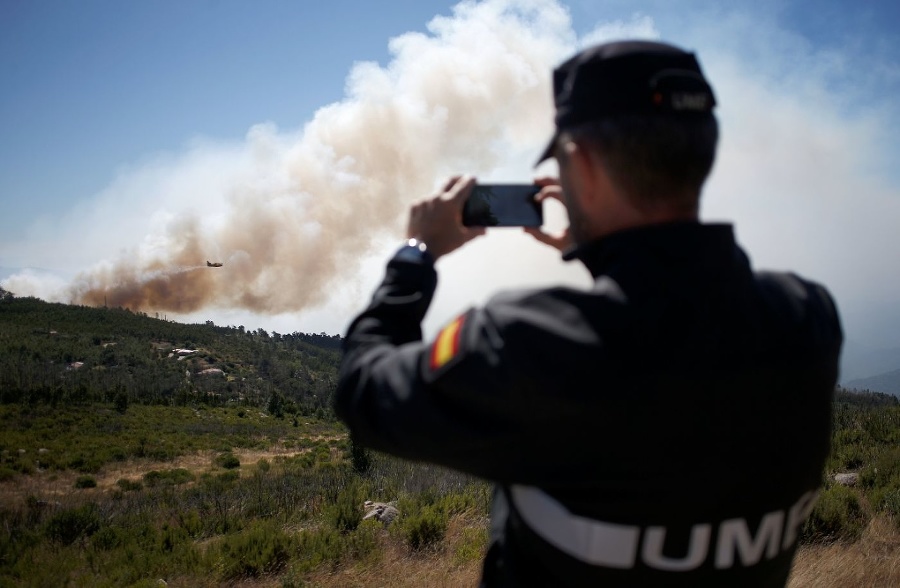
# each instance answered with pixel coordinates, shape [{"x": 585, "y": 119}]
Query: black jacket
[{"x": 678, "y": 411}]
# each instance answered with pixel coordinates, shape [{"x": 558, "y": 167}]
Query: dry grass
[
  {"x": 58, "y": 485},
  {"x": 871, "y": 562},
  {"x": 399, "y": 568}
]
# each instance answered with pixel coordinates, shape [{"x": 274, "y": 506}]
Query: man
[{"x": 667, "y": 426}]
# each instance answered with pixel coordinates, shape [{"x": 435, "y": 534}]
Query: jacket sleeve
[{"x": 441, "y": 401}]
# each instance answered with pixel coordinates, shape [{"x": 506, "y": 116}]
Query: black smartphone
[{"x": 503, "y": 205}]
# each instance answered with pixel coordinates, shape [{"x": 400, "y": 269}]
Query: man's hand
[
  {"x": 437, "y": 221},
  {"x": 550, "y": 188}
]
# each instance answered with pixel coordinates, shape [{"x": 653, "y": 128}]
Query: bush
[
  {"x": 192, "y": 523},
  {"x": 229, "y": 477},
  {"x": 173, "y": 477},
  {"x": 890, "y": 503},
  {"x": 85, "y": 482},
  {"x": 317, "y": 547},
  {"x": 106, "y": 539},
  {"x": 472, "y": 546},
  {"x": 362, "y": 543},
  {"x": 127, "y": 485},
  {"x": 263, "y": 548},
  {"x": 884, "y": 471},
  {"x": 68, "y": 525},
  {"x": 346, "y": 514},
  {"x": 229, "y": 461},
  {"x": 425, "y": 528},
  {"x": 837, "y": 515}
]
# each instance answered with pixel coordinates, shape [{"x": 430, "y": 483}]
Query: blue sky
[
  {"x": 92, "y": 86},
  {"x": 133, "y": 133}
]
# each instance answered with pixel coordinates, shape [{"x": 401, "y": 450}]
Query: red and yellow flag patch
[{"x": 446, "y": 345}]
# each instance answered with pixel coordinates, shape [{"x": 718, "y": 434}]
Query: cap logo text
[{"x": 698, "y": 101}]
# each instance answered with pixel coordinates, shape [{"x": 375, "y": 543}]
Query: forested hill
[{"x": 62, "y": 353}]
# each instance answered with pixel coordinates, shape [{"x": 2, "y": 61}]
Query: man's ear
[{"x": 582, "y": 171}]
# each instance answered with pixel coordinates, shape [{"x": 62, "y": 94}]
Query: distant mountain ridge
[
  {"x": 859, "y": 360},
  {"x": 888, "y": 382}
]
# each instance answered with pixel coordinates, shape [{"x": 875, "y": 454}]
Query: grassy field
[
  {"x": 138, "y": 452},
  {"x": 229, "y": 496}
]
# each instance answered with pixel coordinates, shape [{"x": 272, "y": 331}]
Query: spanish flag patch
[{"x": 446, "y": 345}]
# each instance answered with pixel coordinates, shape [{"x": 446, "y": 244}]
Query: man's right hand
[
  {"x": 550, "y": 188},
  {"x": 437, "y": 221}
]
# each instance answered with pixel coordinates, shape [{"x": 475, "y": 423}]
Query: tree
[
  {"x": 276, "y": 405},
  {"x": 360, "y": 457},
  {"x": 121, "y": 401}
]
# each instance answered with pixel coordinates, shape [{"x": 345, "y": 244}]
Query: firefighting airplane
[{"x": 210, "y": 264}]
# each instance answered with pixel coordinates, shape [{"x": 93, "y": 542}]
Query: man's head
[{"x": 643, "y": 112}]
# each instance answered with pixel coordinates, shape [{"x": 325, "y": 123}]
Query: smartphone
[{"x": 503, "y": 205}]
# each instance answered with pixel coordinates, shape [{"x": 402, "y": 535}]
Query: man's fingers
[
  {"x": 559, "y": 242},
  {"x": 549, "y": 191},
  {"x": 462, "y": 189},
  {"x": 450, "y": 183},
  {"x": 540, "y": 235}
]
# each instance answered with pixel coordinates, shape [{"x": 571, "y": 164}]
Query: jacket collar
[{"x": 692, "y": 243}]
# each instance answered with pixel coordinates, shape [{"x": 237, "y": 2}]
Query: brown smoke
[{"x": 452, "y": 101}]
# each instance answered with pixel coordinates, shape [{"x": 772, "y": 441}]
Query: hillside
[
  {"x": 124, "y": 461},
  {"x": 62, "y": 353}
]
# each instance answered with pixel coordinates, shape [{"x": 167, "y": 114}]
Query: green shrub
[
  {"x": 229, "y": 477},
  {"x": 68, "y": 525},
  {"x": 362, "y": 544},
  {"x": 85, "y": 482},
  {"x": 172, "y": 477},
  {"x": 229, "y": 461},
  {"x": 346, "y": 514},
  {"x": 262, "y": 548},
  {"x": 837, "y": 515},
  {"x": 889, "y": 502},
  {"x": 456, "y": 503},
  {"x": 425, "y": 528},
  {"x": 24, "y": 467},
  {"x": 472, "y": 546},
  {"x": 85, "y": 465},
  {"x": 6, "y": 474},
  {"x": 192, "y": 522},
  {"x": 127, "y": 485},
  {"x": 849, "y": 457},
  {"x": 884, "y": 471},
  {"x": 317, "y": 547},
  {"x": 106, "y": 538}
]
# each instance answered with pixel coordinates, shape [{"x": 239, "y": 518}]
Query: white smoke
[{"x": 304, "y": 219}]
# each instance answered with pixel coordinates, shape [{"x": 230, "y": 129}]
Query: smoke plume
[
  {"x": 449, "y": 101},
  {"x": 302, "y": 219}
]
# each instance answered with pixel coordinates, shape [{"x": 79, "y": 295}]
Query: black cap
[{"x": 628, "y": 77}]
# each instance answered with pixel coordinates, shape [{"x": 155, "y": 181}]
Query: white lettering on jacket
[{"x": 622, "y": 546}]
